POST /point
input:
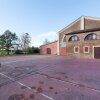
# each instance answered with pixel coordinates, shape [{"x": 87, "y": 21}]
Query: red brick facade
[
  {"x": 63, "y": 51},
  {"x": 50, "y": 48}
]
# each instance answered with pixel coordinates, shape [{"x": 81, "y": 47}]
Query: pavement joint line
[
  {"x": 77, "y": 83},
  {"x": 7, "y": 62},
  {"x": 73, "y": 83},
  {"x": 23, "y": 84},
  {"x": 24, "y": 60},
  {"x": 46, "y": 96}
]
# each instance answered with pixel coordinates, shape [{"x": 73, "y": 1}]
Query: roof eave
[{"x": 83, "y": 31}]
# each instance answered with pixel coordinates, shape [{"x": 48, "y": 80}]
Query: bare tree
[
  {"x": 46, "y": 41},
  {"x": 25, "y": 41}
]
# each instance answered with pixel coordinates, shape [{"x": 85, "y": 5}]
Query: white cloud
[
  {"x": 47, "y": 35},
  {"x": 38, "y": 40}
]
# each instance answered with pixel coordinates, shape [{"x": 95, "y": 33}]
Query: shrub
[{"x": 18, "y": 52}]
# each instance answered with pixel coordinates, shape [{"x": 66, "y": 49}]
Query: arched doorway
[{"x": 48, "y": 51}]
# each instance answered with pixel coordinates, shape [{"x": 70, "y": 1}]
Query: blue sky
[{"x": 43, "y": 18}]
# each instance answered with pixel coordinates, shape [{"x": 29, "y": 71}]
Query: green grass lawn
[{"x": 4, "y": 53}]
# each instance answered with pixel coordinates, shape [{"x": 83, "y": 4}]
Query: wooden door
[
  {"x": 97, "y": 52},
  {"x": 48, "y": 51}
]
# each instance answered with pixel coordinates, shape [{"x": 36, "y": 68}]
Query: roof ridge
[
  {"x": 50, "y": 43},
  {"x": 83, "y": 16}
]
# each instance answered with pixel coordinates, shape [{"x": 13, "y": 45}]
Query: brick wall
[
  {"x": 81, "y": 43},
  {"x": 52, "y": 46},
  {"x": 74, "y": 27},
  {"x": 69, "y": 49},
  {"x": 63, "y": 51}
]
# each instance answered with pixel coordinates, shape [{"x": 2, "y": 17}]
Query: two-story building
[{"x": 80, "y": 39}]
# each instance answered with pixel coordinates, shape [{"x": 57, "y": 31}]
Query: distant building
[
  {"x": 80, "y": 39},
  {"x": 50, "y": 48}
]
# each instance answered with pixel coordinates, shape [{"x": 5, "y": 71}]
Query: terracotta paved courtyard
[{"x": 49, "y": 78}]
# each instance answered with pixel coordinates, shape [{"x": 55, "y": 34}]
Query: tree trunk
[{"x": 7, "y": 51}]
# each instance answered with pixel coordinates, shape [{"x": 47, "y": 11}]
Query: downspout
[{"x": 58, "y": 44}]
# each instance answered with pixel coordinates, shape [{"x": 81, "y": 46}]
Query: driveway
[{"x": 38, "y": 77}]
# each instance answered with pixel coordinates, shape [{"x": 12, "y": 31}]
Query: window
[
  {"x": 86, "y": 49},
  {"x": 76, "y": 49},
  {"x": 91, "y": 36},
  {"x": 74, "y": 38}
]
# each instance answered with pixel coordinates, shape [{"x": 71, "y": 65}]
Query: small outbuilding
[{"x": 50, "y": 48}]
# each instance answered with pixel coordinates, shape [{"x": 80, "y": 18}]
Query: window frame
[
  {"x": 73, "y": 38},
  {"x": 91, "y": 37},
  {"x": 78, "y": 49},
  {"x": 88, "y": 49}
]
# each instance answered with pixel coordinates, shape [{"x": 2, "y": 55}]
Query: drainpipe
[{"x": 58, "y": 44}]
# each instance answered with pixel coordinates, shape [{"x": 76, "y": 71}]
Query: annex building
[
  {"x": 50, "y": 48},
  {"x": 80, "y": 39}
]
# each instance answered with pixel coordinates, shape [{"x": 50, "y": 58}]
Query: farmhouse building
[{"x": 80, "y": 39}]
